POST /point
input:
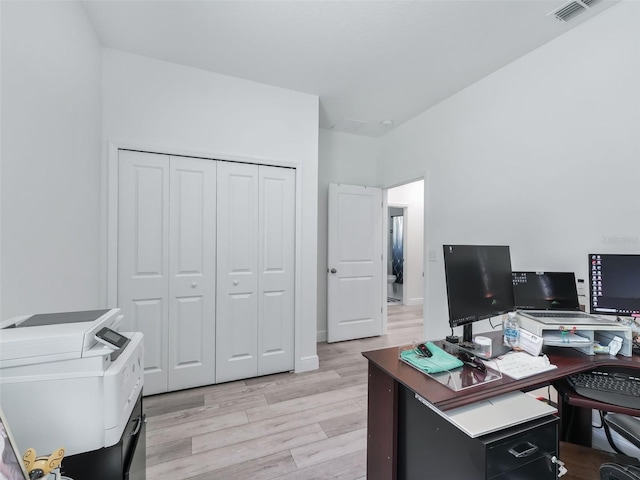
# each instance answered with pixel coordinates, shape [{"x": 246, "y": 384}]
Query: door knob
[{"x": 333, "y": 270}]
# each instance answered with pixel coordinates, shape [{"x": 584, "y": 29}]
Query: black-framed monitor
[
  {"x": 614, "y": 284},
  {"x": 545, "y": 291},
  {"x": 479, "y": 284}
]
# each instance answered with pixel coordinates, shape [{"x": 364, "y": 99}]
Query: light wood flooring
[
  {"x": 287, "y": 426},
  {"x": 309, "y": 426}
]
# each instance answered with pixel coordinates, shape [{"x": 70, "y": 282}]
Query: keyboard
[
  {"x": 617, "y": 386},
  {"x": 552, "y": 314}
]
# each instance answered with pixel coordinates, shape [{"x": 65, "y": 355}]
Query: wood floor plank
[
  {"x": 196, "y": 427},
  {"x": 155, "y": 405},
  {"x": 168, "y": 420},
  {"x": 268, "y": 387},
  {"x": 235, "y": 454},
  {"x": 281, "y": 378},
  {"x": 305, "y": 403},
  {"x": 344, "y": 423},
  {"x": 168, "y": 451},
  {"x": 347, "y": 467},
  {"x": 291, "y": 392},
  {"x": 264, "y": 428},
  {"x": 263, "y": 468},
  {"x": 331, "y": 448},
  {"x": 352, "y": 370}
]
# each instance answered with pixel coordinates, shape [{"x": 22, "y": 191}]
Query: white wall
[
  {"x": 50, "y": 190},
  {"x": 411, "y": 195},
  {"x": 170, "y": 108},
  {"x": 348, "y": 159},
  {"x": 542, "y": 155}
]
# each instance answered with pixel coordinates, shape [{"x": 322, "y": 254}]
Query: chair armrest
[{"x": 625, "y": 425}]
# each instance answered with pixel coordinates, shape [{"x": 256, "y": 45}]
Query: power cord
[{"x": 607, "y": 432}]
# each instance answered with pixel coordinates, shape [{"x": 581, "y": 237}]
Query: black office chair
[{"x": 627, "y": 427}]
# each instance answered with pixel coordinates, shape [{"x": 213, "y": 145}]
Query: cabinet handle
[
  {"x": 194, "y": 284},
  {"x": 141, "y": 420},
  {"x": 523, "y": 449},
  {"x": 236, "y": 282}
]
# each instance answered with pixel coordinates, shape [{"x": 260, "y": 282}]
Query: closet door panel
[
  {"x": 143, "y": 317},
  {"x": 192, "y": 273},
  {"x": 276, "y": 270},
  {"x": 237, "y": 266},
  {"x": 143, "y": 252}
]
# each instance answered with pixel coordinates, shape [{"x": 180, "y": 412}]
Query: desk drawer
[
  {"x": 520, "y": 449},
  {"x": 540, "y": 469}
]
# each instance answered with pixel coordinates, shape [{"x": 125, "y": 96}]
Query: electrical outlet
[{"x": 432, "y": 256}]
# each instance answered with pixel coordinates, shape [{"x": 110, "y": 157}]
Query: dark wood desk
[{"x": 387, "y": 373}]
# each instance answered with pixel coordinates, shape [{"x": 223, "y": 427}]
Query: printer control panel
[{"x": 113, "y": 340}]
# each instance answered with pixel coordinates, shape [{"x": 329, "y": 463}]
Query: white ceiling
[{"x": 366, "y": 60}]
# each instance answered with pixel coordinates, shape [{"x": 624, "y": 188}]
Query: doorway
[
  {"x": 395, "y": 255},
  {"x": 404, "y": 248}
]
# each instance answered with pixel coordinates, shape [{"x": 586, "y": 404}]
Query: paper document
[
  {"x": 519, "y": 365},
  {"x": 564, "y": 338}
]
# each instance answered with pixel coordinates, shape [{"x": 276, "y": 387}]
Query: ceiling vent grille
[{"x": 571, "y": 9}]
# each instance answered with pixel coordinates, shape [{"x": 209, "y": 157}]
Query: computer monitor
[
  {"x": 479, "y": 284},
  {"x": 614, "y": 284},
  {"x": 545, "y": 291}
]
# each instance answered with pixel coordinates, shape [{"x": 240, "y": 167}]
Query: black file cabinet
[
  {"x": 126, "y": 460},
  {"x": 430, "y": 447}
]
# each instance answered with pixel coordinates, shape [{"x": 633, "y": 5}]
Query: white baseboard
[
  {"x": 321, "y": 336},
  {"x": 306, "y": 364}
]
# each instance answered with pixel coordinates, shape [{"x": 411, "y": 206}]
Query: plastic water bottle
[{"x": 511, "y": 330}]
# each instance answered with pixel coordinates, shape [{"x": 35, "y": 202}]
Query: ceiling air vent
[
  {"x": 348, "y": 125},
  {"x": 570, "y": 9}
]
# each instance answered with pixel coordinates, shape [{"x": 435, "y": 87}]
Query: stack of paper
[
  {"x": 519, "y": 365},
  {"x": 564, "y": 338}
]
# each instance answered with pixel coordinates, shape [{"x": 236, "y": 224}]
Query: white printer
[{"x": 69, "y": 380}]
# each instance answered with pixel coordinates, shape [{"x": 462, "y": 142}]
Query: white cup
[{"x": 483, "y": 346}]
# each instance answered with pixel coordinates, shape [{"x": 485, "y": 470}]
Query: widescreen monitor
[
  {"x": 479, "y": 283},
  {"x": 614, "y": 284}
]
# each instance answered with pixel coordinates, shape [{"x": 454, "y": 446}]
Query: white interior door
[
  {"x": 237, "y": 272},
  {"x": 192, "y": 286},
  {"x": 276, "y": 270},
  {"x": 143, "y": 257},
  {"x": 354, "y": 289}
]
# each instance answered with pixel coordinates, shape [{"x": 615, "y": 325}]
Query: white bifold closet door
[
  {"x": 255, "y": 270},
  {"x": 166, "y": 265}
]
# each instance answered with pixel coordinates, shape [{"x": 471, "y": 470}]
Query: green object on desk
[{"x": 440, "y": 361}]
